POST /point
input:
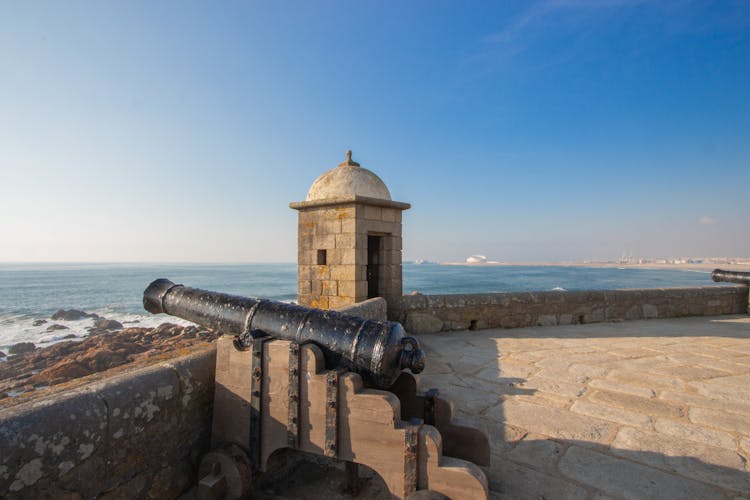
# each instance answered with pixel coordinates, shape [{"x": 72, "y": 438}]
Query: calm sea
[{"x": 30, "y": 292}]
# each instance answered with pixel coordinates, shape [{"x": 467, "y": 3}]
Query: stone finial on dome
[
  {"x": 348, "y": 180},
  {"x": 349, "y": 161}
]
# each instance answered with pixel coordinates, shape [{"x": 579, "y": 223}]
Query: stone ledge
[
  {"x": 375, "y": 308},
  {"x": 348, "y": 200},
  {"x": 134, "y": 434},
  {"x": 433, "y": 313}
]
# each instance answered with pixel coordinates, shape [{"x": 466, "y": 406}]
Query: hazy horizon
[
  {"x": 490, "y": 260},
  {"x": 549, "y": 131}
]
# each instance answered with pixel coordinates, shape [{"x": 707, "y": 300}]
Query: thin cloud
[
  {"x": 706, "y": 221},
  {"x": 517, "y": 34},
  {"x": 541, "y": 10}
]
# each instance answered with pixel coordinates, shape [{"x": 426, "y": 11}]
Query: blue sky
[{"x": 555, "y": 130}]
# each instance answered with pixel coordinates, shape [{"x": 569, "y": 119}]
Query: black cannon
[
  {"x": 743, "y": 278},
  {"x": 377, "y": 350}
]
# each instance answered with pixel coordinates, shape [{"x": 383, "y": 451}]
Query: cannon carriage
[{"x": 325, "y": 383}]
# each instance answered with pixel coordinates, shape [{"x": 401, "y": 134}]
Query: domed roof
[{"x": 347, "y": 180}]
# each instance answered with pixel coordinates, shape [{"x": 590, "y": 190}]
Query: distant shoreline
[{"x": 611, "y": 265}]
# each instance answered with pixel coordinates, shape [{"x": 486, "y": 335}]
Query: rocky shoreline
[{"x": 108, "y": 345}]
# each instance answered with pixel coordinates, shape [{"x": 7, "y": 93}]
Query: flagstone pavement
[{"x": 637, "y": 409}]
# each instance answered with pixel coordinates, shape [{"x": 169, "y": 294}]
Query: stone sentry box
[{"x": 349, "y": 240}]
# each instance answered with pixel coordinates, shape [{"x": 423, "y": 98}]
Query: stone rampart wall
[
  {"x": 136, "y": 435},
  {"x": 434, "y": 313},
  {"x": 142, "y": 433},
  {"x": 375, "y": 308}
]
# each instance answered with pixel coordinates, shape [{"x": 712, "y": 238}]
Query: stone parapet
[
  {"x": 375, "y": 308},
  {"x": 136, "y": 435},
  {"x": 434, "y": 313}
]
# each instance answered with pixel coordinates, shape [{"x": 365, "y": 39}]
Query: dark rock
[
  {"x": 2, "y": 354},
  {"x": 21, "y": 347},
  {"x": 72, "y": 315},
  {"x": 107, "y": 324},
  {"x": 69, "y": 336},
  {"x": 52, "y": 328},
  {"x": 190, "y": 332},
  {"x": 39, "y": 322},
  {"x": 60, "y": 349}
]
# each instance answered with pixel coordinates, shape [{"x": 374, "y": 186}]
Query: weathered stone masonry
[
  {"x": 434, "y": 313},
  {"x": 349, "y": 240},
  {"x": 342, "y": 232},
  {"x": 137, "y": 435}
]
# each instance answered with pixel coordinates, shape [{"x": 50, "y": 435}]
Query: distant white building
[{"x": 476, "y": 259}]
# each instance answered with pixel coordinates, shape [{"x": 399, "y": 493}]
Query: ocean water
[{"x": 30, "y": 292}]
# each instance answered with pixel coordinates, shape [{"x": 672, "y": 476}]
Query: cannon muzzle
[
  {"x": 154, "y": 295},
  {"x": 721, "y": 275},
  {"x": 377, "y": 350}
]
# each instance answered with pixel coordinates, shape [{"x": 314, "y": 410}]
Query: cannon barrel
[
  {"x": 731, "y": 276},
  {"x": 377, "y": 350}
]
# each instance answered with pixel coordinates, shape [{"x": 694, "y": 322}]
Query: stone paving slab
[{"x": 638, "y": 409}]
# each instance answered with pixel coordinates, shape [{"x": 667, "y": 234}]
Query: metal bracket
[
  {"x": 243, "y": 341},
  {"x": 411, "y": 455},
  {"x": 256, "y": 398},
  {"x": 292, "y": 424},
  {"x": 429, "y": 406},
  {"x": 332, "y": 411}
]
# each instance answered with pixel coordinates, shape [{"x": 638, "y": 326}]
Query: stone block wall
[
  {"x": 333, "y": 283},
  {"x": 434, "y": 313},
  {"x": 136, "y": 435},
  {"x": 338, "y": 276},
  {"x": 386, "y": 223}
]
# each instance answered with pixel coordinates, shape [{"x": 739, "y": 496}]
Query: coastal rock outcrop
[
  {"x": 107, "y": 324},
  {"x": 30, "y": 368},
  {"x": 72, "y": 315},
  {"x": 66, "y": 369},
  {"x": 21, "y": 347},
  {"x": 54, "y": 327},
  {"x": 39, "y": 322}
]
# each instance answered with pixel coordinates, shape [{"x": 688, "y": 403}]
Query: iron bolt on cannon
[{"x": 324, "y": 383}]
